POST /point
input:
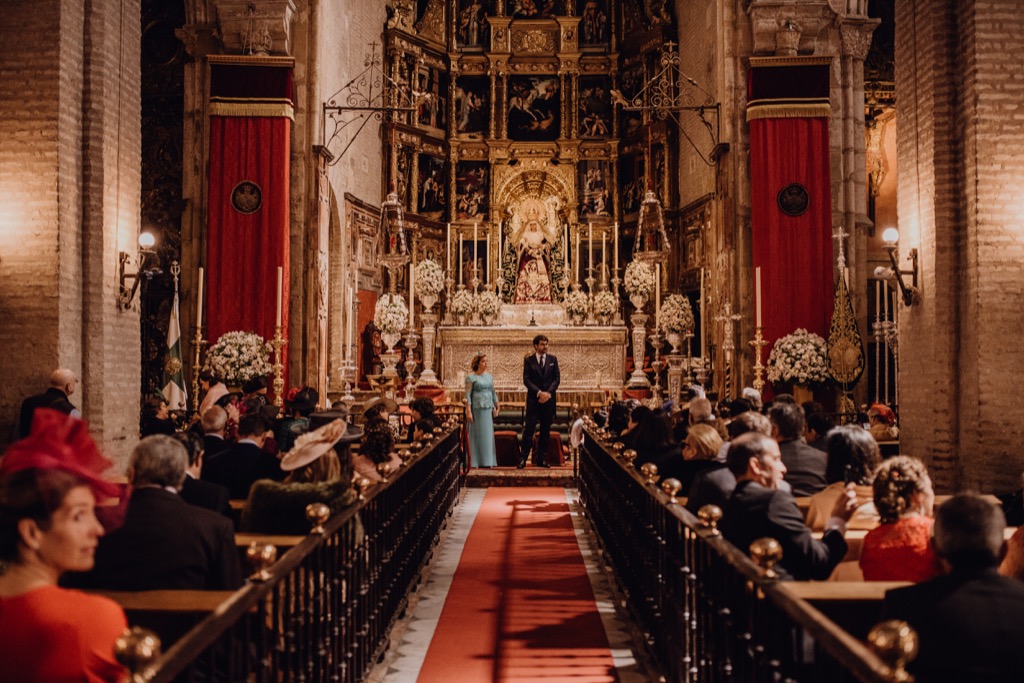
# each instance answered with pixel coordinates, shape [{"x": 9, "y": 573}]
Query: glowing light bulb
[
  {"x": 146, "y": 240},
  {"x": 891, "y": 236}
]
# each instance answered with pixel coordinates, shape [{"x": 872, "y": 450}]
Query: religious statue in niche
[
  {"x": 658, "y": 170},
  {"x": 472, "y": 187},
  {"x": 402, "y": 177},
  {"x": 594, "y": 23},
  {"x": 472, "y": 105},
  {"x": 594, "y": 199},
  {"x": 534, "y": 106},
  {"x": 595, "y": 107},
  {"x": 432, "y": 195},
  {"x": 534, "y": 230},
  {"x": 536, "y": 9},
  {"x": 432, "y": 112},
  {"x": 632, "y": 179},
  {"x": 473, "y": 29}
]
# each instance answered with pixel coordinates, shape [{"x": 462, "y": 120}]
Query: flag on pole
[{"x": 174, "y": 375}]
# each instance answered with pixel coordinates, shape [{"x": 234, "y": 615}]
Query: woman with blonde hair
[{"x": 482, "y": 407}]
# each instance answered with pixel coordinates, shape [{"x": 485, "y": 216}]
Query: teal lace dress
[{"x": 481, "y": 397}]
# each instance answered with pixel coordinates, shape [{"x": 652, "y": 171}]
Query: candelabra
[
  {"x": 703, "y": 371},
  {"x": 638, "y": 378},
  {"x": 427, "y": 376},
  {"x": 590, "y": 280},
  {"x": 886, "y": 335},
  {"x": 411, "y": 340},
  {"x": 616, "y": 281},
  {"x": 197, "y": 347},
  {"x": 475, "y": 318},
  {"x": 449, "y": 286},
  {"x": 348, "y": 374},
  {"x": 758, "y": 343},
  {"x": 278, "y": 343},
  {"x": 657, "y": 365}
]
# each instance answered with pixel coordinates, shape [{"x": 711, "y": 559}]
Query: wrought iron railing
[
  {"x": 322, "y": 612},
  {"x": 707, "y": 612}
]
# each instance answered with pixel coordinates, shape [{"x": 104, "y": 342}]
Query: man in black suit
[
  {"x": 245, "y": 461},
  {"x": 165, "y": 543},
  {"x": 62, "y": 385},
  {"x": 213, "y": 422},
  {"x": 758, "y": 509},
  {"x": 195, "y": 491},
  {"x": 969, "y": 622},
  {"x": 805, "y": 466},
  {"x": 541, "y": 377}
]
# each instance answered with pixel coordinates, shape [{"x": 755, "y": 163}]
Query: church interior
[{"x": 357, "y": 204}]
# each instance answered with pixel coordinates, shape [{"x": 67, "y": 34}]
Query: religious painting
[
  {"x": 473, "y": 252},
  {"x": 536, "y": 9},
  {"x": 593, "y": 180},
  {"x": 472, "y": 190},
  {"x": 432, "y": 195},
  {"x": 632, "y": 180},
  {"x": 534, "y": 231},
  {"x": 595, "y": 107},
  {"x": 472, "y": 105},
  {"x": 594, "y": 23},
  {"x": 432, "y": 110},
  {"x": 632, "y": 83},
  {"x": 473, "y": 30},
  {"x": 644, "y": 15},
  {"x": 534, "y": 108}
]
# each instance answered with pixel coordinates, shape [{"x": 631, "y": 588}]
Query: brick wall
[
  {"x": 69, "y": 175},
  {"x": 961, "y": 153}
]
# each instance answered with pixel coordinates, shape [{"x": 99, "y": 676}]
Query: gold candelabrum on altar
[
  {"x": 278, "y": 342},
  {"x": 758, "y": 343}
]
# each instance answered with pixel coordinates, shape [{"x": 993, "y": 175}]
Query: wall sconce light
[
  {"x": 891, "y": 239},
  {"x": 145, "y": 264}
]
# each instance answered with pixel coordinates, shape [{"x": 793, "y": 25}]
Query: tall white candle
[
  {"x": 459, "y": 256},
  {"x": 500, "y": 255},
  {"x": 615, "y": 242},
  {"x": 489, "y": 259},
  {"x": 590, "y": 245},
  {"x": 475, "y": 255},
  {"x": 350, "y": 313},
  {"x": 703, "y": 320},
  {"x": 448, "y": 250},
  {"x": 657, "y": 296},
  {"x": 565, "y": 246},
  {"x": 412, "y": 300},
  {"x": 757, "y": 293},
  {"x": 199, "y": 300},
  {"x": 576, "y": 251},
  {"x": 280, "y": 286}
]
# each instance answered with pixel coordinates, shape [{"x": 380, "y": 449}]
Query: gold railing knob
[
  {"x": 628, "y": 456},
  {"x": 363, "y": 485},
  {"x": 136, "y": 649},
  {"x": 709, "y": 516},
  {"x": 405, "y": 455},
  {"x": 766, "y": 552},
  {"x": 618, "y": 446},
  {"x": 671, "y": 486},
  {"x": 316, "y": 515},
  {"x": 895, "y": 643},
  {"x": 384, "y": 469},
  {"x": 650, "y": 472},
  {"x": 438, "y": 431},
  {"x": 260, "y": 556},
  {"x": 416, "y": 446}
]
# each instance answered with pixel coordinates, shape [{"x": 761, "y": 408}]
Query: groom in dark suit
[{"x": 541, "y": 377}]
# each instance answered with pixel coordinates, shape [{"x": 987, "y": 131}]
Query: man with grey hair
[
  {"x": 213, "y": 423},
  {"x": 165, "y": 543},
  {"x": 969, "y": 622},
  {"x": 62, "y": 384}
]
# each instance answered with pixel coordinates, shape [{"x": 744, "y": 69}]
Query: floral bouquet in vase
[
  {"x": 576, "y": 305},
  {"x": 461, "y": 304},
  {"x": 489, "y": 305},
  {"x": 238, "y": 357},
  {"x": 800, "y": 358},
  {"x": 605, "y": 305},
  {"x": 676, "y": 319},
  {"x": 391, "y": 315},
  {"x": 639, "y": 283},
  {"x": 429, "y": 282}
]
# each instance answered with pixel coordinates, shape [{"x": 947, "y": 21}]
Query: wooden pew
[
  {"x": 856, "y": 606},
  {"x": 168, "y": 613}
]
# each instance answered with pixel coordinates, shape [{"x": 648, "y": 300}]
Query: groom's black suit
[{"x": 539, "y": 378}]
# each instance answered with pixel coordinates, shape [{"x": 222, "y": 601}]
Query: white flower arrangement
[
  {"x": 605, "y": 304},
  {"x": 462, "y": 302},
  {"x": 391, "y": 314},
  {"x": 676, "y": 315},
  {"x": 639, "y": 279},
  {"x": 576, "y": 303},
  {"x": 800, "y": 357},
  {"x": 238, "y": 357},
  {"x": 488, "y": 303},
  {"x": 429, "y": 278}
]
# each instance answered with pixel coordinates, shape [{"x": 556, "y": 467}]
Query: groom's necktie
[{"x": 543, "y": 358}]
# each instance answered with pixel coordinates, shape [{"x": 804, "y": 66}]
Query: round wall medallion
[
  {"x": 247, "y": 197},
  {"x": 793, "y": 199}
]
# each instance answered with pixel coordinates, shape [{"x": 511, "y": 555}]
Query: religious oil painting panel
[
  {"x": 473, "y": 30},
  {"x": 594, "y": 22},
  {"x": 432, "y": 110},
  {"x": 632, "y": 179},
  {"x": 595, "y": 107},
  {"x": 632, "y": 85},
  {"x": 432, "y": 188},
  {"x": 472, "y": 105},
  {"x": 536, "y": 9},
  {"x": 473, "y": 262},
  {"x": 594, "y": 198},
  {"x": 534, "y": 108},
  {"x": 472, "y": 189}
]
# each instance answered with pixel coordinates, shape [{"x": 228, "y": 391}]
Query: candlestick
[
  {"x": 657, "y": 296},
  {"x": 412, "y": 300},
  {"x": 460, "y": 257},
  {"x": 757, "y": 293},
  {"x": 199, "y": 300},
  {"x": 348, "y": 322},
  {"x": 758, "y": 344},
  {"x": 576, "y": 251},
  {"x": 489, "y": 256},
  {"x": 448, "y": 248},
  {"x": 278, "y": 343},
  {"x": 703, "y": 320},
  {"x": 615, "y": 239},
  {"x": 565, "y": 246},
  {"x": 475, "y": 255},
  {"x": 590, "y": 245},
  {"x": 280, "y": 287}
]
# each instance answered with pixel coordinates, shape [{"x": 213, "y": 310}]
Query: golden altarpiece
[{"x": 518, "y": 173}]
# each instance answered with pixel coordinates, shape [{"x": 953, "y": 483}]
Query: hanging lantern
[
  {"x": 394, "y": 247},
  {"x": 651, "y": 243}
]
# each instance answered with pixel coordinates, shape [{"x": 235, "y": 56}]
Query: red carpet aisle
[{"x": 521, "y": 607}]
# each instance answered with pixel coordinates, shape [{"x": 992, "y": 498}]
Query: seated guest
[
  {"x": 375, "y": 448},
  {"x": 379, "y": 407},
  {"x": 300, "y": 404},
  {"x": 316, "y": 475},
  {"x": 245, "y": 461},
  {"x": 714, "y": 486},
  {"x": 968, "y": 622},
  {"x": 698, "y": 455},
  {"x": 853, "y": 455},
  {"x": 652, "y": 441},
  {"x": 156, "y": 418},
  {"x": 213, "y": 422},
  {"x": 214, "y": 388},
  {"x": 422, "y": 428},
  {"x": 819, "y": 426},
  {"x": 900, "y": 549},
  {"x": 638, "y": 418},
  {"x": 805, "y": 466},
  {"x": 883, "y": 423},
  {"x": 194, "y": 491},
  {"x": 49, "y": 482},
  {"x": 1013, "y": 563},
  {"x": 758, "y": 509},
  {"x": 754, "y": 396},
  {"x": 422, "y": 408},
  {"x": 745, "y": 421},
  {"x": 165, "y": 543},
  {"x": 256, "y": 390},
  {"x": 618, "y": 417}
]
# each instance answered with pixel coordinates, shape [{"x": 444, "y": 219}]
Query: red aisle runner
[{"x": 520, "y": 607}]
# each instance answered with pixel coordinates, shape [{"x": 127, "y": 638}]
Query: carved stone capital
[
  {"x": 856, "y": 37},
  {"x": 265, "y": 30},
  {"x": 788, "y": 26},
  {"x": 199, "y": 39}
]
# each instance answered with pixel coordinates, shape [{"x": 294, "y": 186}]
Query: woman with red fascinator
[{"x": 49, "y": 484}]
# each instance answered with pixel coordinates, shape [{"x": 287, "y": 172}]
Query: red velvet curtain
[
  {"x": 793, "y": 252},
  {"x": 244, "y": 250}
]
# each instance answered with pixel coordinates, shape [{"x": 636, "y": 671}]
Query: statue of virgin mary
[{"x": 534, "y": 230}]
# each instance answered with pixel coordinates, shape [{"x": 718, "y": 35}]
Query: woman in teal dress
[{"x": 483, "y": 408}]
